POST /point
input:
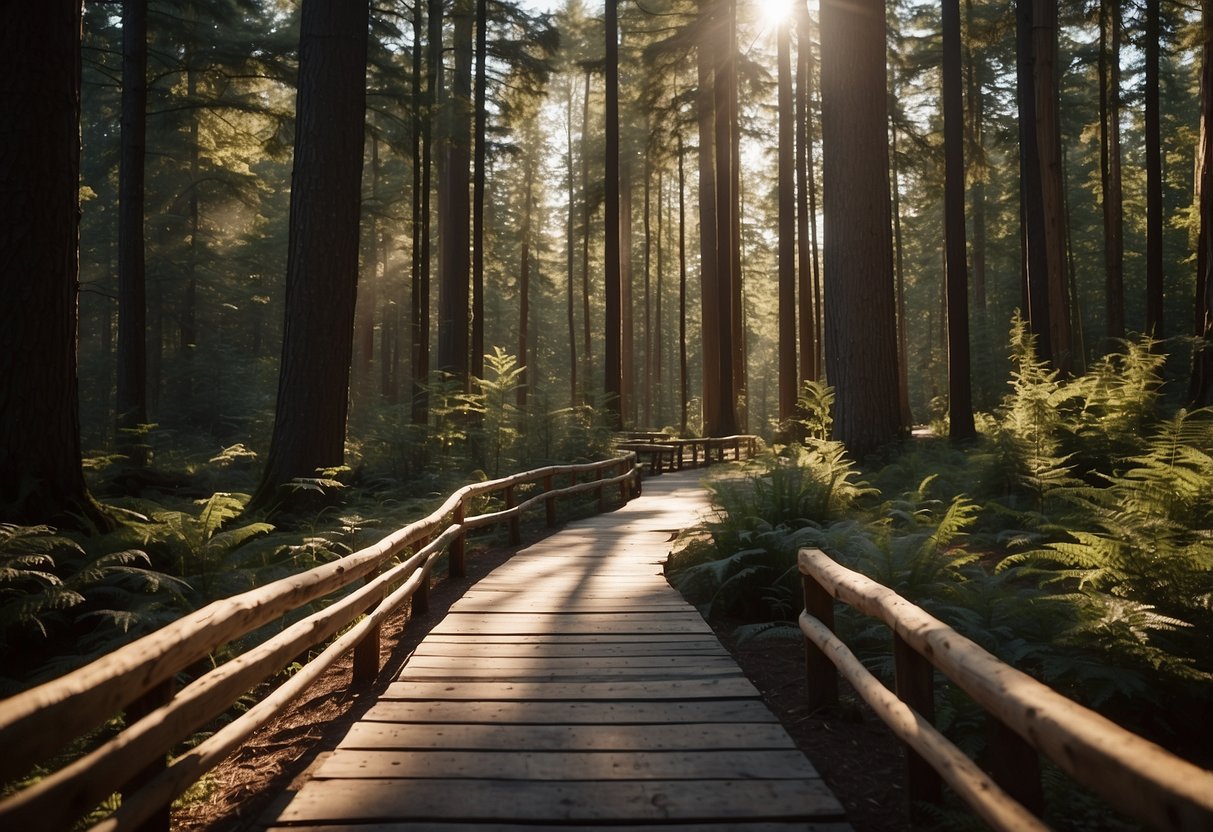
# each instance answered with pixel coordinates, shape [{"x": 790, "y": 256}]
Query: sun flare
[{"x": 775, "y": 12}]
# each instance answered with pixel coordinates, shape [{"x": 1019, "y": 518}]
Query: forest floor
[{"x": 855, "y": 753}]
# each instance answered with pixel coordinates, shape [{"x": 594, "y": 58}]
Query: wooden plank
[
  {"x": 729, "y": 688},
  {"x": 568, "y": 765},
  {"x": 498, "y": 664},
  {"x": 618, "y": 801},
  {"x": 507, "y": 624},
  {"x": 569, "y": 674},
  {"x": 456, "y": 826},
  {"x": 571, "y": 713},
  {"x": 468, "y": 648},
  {"x": 685, "y": 736},
  {"x": 677, "y": 639}
]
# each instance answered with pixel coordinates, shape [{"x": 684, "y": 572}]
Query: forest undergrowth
[{"x": 1072, "y": 539}]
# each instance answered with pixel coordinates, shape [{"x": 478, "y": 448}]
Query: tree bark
[
  {"x": 899, "y": 278},
  {"x": 960, "y": 396},
  {"x": 454, "y": 210},
  {"x": 1154, "y": 219},
  {"x": 40, "y": 475},
  {"x": 570, "y": 248},
  {"x": 646, "y": 387},
  {"x": 1044, "y": 29},
  {"x": 725, "y": 419},
  {"x": 421, "y": 287},
  {"x": 524, "y": 277},
  {"x": 612, "y": 277},
  {"x": 131, "y": 392},
  {"x": 807, "y": 329},
  {"x": 478, "y": 174},
  {"x": 684, "y": 392},
  {"x": 1035, "y": 265},
  {"x": 710, "y": 317},
  {"x": 787, "y": 229},
  {"x": 976, "y": 140},
  {"x": 1109, "y": 170},
  {"x": 587, "y": 327},
  {"x": 861, "y": 328},
  {"x": 322, "y": 253},
  {"x": 1201, "y": 388},
  {"x": 419, "y": 224}
]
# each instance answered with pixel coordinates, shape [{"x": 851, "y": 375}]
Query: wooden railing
[
  {"x": 138, "y": 679},
  {"x": 1132, "y": 774},
  {"x": 662, "y": 452}
]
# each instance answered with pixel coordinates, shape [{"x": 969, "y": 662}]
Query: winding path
[{"x": 571, "y": 688}]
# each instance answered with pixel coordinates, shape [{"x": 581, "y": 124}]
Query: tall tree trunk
[
  {"x": 1109, "y": 169},
  {"x": 524, "y": 278},
  {"x": 612, "y": 278},
  {"x": 647, "y": 379},
  {"x": 132, "y": 297},
  {"x": 710, "y": 317},
  {"x": 807, "y": 320},
  {"x": 188, "y": 326},
  {"x": 738, "y": 404},
  {"x": 1154, "y": 219},
  {"x": 726, "y": 204},
  {"x": 368, "y": 284},
  {"x": 478, "y": 174},
  {"x": 659, "y": 339},
  {"x": 814, "y": 249},
  {"x": 420, "y": 300},
  {"x": 570, "y": 229},
  {"x": 1035, "y": 268},
  {"x": 587, "y": 343},
  {"x": 683, "y": 391},
  {"x": 976, "y": 161},
  {"x": 787, "y": 230},
  {"x": 322, "y": 252},
  {"x": 453, "y": 209},
  {"x": 1044, "y": 28},
  {"x": 627, "y": 323},
  {"x": 40, "y": 475},
  {"x": 859, "y": 263},
  {"x": 899, "y": 277},
  {"x": 1201, "y": 388},
  {"x": 960, "y": 396}
]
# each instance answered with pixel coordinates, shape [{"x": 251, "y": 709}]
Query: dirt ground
[{"x": 850, "y": 747}]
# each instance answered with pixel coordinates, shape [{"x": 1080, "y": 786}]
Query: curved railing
[
  {"x": 1132, "y": 774},
  {"x": 138, "y": 679}
]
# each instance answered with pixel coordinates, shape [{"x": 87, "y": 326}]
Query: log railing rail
[
  {"x": 1132, "y": 774},
  {"x": 139, "y": 677},
  {"x": 655, "y": 449}
]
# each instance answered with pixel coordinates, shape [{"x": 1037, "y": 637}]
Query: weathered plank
[
  {"x": 508, "y": 624},
  {"x": 538, "y": 801},
  {"x": 571, "y": 713},
  {"x": 459, "y": 665},
  {"x": 731, "y": 764},
  {"x": 692, "y": 736},
  {"x": 456, "y": 826},
  {"x": 468, "y": 648},
  {"x": 730, "y": 688}
]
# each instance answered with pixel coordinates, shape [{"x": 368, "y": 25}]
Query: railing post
[
  {"x": 916, "y": 687},
  {"x": 1015, "y": 765},
  {"x": 623, "y": 483},
  {"x": 820, "y": 674},
  {"x": 161, "y": 821},
  {"x": 549, "y": 505},
  {"x": 737, "y": 449},
  {"x": 421, "y": 594},
  {"x": 455, "y": 554},
  {"x": 601, "y": 492},
  {"x": 366, "y": 652},
  {"x": 515, "y": 525}
]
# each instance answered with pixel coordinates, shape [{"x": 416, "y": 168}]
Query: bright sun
[{"x": 775, "y": 12}]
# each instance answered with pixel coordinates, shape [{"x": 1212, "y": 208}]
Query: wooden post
[
  {"x": 1015, "y": 765},
  {"x": 601, "y": 493},
  {"x": 161, "y": 821},
  {"x": 515, "y": 524},
  {"x": 820, "y": 673},
  {"x": 916, "y": 687},
  {"x": 549, "y": 505},
  {"x": 623, "y": 484},
  {"x": 366, "y": 652},
  {"x": 421, "y": 595},
  {"x": 455, "y": 554}
]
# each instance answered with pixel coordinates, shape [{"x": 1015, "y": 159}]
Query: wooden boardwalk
[{"x": 571, "y": 688}]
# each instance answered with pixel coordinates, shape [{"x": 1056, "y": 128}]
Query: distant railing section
[
  {"x": 662, "y": 452},
  {"x": 1028, "y": 718},
  {"x": 138, "y": 679}
]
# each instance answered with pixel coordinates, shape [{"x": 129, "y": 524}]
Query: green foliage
[
  {"x": 500, "y": 415},
  {"x": 60, "y": 605}
]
